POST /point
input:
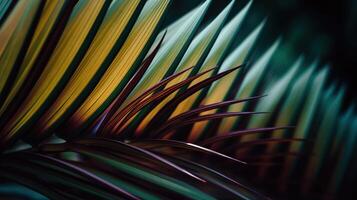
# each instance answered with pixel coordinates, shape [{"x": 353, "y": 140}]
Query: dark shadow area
[{"x": 318, "y": 29}]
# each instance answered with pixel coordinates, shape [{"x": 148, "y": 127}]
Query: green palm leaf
[{"x": 99, "y": 101}]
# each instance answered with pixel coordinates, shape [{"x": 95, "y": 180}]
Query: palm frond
[{"x": 98, "y": 100}]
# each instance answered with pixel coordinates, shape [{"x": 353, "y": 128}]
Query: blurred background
[{"x": 321, "y": 30}]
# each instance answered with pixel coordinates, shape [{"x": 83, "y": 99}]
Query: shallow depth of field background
[{"x": 319, "y": 29}]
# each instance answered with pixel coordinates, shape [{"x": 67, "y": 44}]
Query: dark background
[{"x": 319, "y": 29}]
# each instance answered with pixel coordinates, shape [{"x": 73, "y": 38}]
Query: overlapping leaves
[{"x": 89, "y": 70}]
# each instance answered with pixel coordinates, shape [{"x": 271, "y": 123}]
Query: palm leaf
[{"x": 98, "y": 100}]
